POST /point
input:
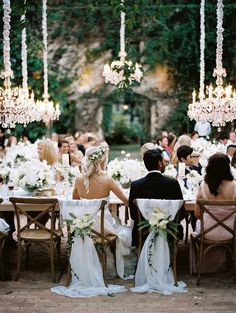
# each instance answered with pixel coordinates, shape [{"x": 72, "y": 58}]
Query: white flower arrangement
[
  {"x": 194, "y": 178},
  {"x": 124, "y": 74},
  {"x": 125, "y": 171},
  {"x": 206, "y": 149},
  {"x": 170, "y": 171},
  {"x": 32, "y": 175},
  {"x": 20, "y": 153}
]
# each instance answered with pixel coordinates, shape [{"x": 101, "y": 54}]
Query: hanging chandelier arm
[
  {"x": 122, "y": 53},
  {"x": 45, "y": 50},
  {"x": 219, "y": 71},
  {"x": 202, "y": 50},
  {"x": 7, "y": 73},
  {"x": 24, "y": 55}
]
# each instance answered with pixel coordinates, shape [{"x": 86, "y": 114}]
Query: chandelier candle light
[
  {"x": 46, "y": 108},
  {"x": 219, "y": 106},
  {"x": 12, "y": 100},
  {"x": 123, "y": 73}
]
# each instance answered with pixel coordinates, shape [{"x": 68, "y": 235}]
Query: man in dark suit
[{"x": 153, "y": 186}]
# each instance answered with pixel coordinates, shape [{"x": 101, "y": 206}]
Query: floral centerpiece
[
  {"x": 20, "y": 153},
  {"x": 160, "y": 224},
  {"x": 125, "y": 171},
  {"x": 123, "y": 73},
  {"x": 170, "y": 171},
  {"x": 33, "y": 175},
  {"x": 194, "y": 178}
]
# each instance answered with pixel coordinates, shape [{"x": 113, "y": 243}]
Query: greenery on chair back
[{"x": 157, "y": 32}]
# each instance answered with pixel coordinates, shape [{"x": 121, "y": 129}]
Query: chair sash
[
  {"x": 87, "y": 275},
  {"x": 159, "y": 276}
]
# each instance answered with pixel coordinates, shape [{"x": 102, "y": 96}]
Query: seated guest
[
  {"x": 186, "y": 155},
  {"x": 232, "y": 137},
  {"x": 230, "y": 151},
  {"x": 147, "y": 146},
  {"x": 182, "y": 140},
  {"x": 218, "y": 184},
  {"x": 76, "y": 155},
  {"x": 194, "y": 135},
  {"x": 223, "y": 139},
  {"x": 162, "y": 143},
  {"x": 153, "y": 186},
  {"x": 47, "y": 151},
  {"x": 64, "y": 148},
  {"x": 233, "y": 165}
]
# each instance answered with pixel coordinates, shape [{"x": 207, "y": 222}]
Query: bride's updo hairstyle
[{"x": 95, "y": 156}]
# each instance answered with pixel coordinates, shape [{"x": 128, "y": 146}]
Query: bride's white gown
[{"x": 87, "y": 276}]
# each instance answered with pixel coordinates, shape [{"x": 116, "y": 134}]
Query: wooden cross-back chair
[
  {"x": 101, "y": 238},
  {"x": 143, "y": 233},
  {"x": 2, "y": 239},
  {"x": 202, "y": 245},
  {"x": 33, "y": 232}
]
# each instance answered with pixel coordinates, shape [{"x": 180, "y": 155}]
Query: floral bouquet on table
[
  {"x": 125, "y": 171},
  {"x": 160, "y": 224},
  {"x": 194, "y": 178},
  {"x": 33, "y": 175},
  {"x": 20, "y": 153},
  {"x": 170, "y": 171}
]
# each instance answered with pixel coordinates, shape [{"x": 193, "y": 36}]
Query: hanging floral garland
[{"x": 123, "y": 73}]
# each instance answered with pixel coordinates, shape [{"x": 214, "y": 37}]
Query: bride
[{"x": 94, "y": 183}]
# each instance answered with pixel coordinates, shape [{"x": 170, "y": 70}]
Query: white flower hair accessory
[{"x": 97, "y": 154}]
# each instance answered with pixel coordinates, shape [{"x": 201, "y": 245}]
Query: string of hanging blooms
[{"x": 123, "y": 73}]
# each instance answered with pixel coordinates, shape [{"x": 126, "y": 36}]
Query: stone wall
[{"x": 85, "y": 72}]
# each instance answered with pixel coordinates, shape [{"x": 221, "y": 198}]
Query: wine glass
[{"x": 10, "y": 185}]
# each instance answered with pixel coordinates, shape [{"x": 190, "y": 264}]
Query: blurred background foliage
[{"x": 157, "y": 32}]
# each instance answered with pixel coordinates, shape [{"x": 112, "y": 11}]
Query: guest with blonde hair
[
  {"x": 47, "y": 151},
  {"x": 183, "y": 140},
  {"x": 146, "y": 147}
]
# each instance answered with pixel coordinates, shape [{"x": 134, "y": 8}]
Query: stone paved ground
[{"x": 31, "y": 293}]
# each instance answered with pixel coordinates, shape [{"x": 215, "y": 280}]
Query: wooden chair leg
[
  {"x": 199, "y": 264},
  {"x": 52, "y": 262},
  {"x": 19, "y": 251},
  {"x": 2, "y": 270}
]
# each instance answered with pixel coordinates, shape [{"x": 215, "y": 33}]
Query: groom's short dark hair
[{"x": 152, "y": 158}]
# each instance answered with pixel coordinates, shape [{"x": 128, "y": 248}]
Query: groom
[{"x": 153, "y": 186}]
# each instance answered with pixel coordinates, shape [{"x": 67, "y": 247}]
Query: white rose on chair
[
  {"x": 34, "y": 174},
  {"x": 80, "y": 226}
]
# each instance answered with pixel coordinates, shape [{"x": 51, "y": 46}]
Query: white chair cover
[
  {"x": 4, "y": 227},
  {"x": 158, "y": 277},
  {"x": 86, "y": 270}
]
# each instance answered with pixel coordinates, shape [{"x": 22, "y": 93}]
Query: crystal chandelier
[
  {"x": 30, "y": 112},
  {"x": 46, "y": 108},
  {"x": 219, "y": 105},
  {"x": 123, "y": 73},
  {"x": 12, "y": 100}
]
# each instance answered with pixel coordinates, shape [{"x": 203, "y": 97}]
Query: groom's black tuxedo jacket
[{"x": 153, "y": 186}]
